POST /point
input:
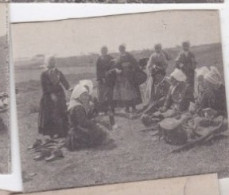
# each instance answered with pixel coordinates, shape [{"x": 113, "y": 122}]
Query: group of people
[{"x": 119, "y": 83}]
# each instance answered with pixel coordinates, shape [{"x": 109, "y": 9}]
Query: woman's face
[
  {"x": 84, "y": 97},
  {"x": 52, "y": 63},
  {"x": 173, "y": 81}
]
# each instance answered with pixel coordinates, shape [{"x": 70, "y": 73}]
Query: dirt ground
[{"x": 129, "y": 155}]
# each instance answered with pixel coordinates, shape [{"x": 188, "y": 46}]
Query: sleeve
[
  {"x": 118, "y": 64},
  {"x": 165, "y": 61},
  {"x": 81, "y": 117},
  {"x": 64, "y": 81},
  {"x": 149, "y": 65},
  {"x": 178, "y": 60},
  {"x": 168, "y": 100},
  {"x": 193, "y": 61},
  {"x": 98, "y": 70},
  {"x": 45, "y": 85}
]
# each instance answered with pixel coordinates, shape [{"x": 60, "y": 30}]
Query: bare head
[
  {"x": 104, "y": 50},
  {"x": 158, "y": 48},
  {"x": 186, "y": 46},
  {"x": 122, "y": 48},
  {"x": 51, "y": 62}
]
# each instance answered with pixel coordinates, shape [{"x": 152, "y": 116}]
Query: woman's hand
[
  {"x": 118, "y": 71},
  {"x": 70, "y": 89},
  {"x": 53, "y": 97},
  {"x": 181, "y": 65},
  {"x": 163, "y": 109}
]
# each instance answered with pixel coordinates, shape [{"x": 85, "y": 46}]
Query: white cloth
[
  {"x": 178, "y": 75},
  {"x": 148, "y": 90},
  {"x": 87, "y": 83},
  {"x": 213, "y": 76},
  {"x": 77, "y": 91},
  {"x": 202, "y": 71}
]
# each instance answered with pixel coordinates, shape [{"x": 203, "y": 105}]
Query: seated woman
[
  {"x": 159, "y": 92},
  {"x": 83, "y": 132},
  {"x": 212, "y": 93},
  {"x": 179, "y": 95},
  {"x": 170, "y": 99}
]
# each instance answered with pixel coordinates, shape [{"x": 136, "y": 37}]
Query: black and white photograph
[
  {"x": 4, "y": 92},
  {"x": 118, "y": 1},
  {"x": 123, "y": 98}
]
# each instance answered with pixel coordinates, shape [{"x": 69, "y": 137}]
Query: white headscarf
[
  {"x": 76, "y": 93},
  {"x": 202, "y": 71},
  {"x": 213, "y": 76},
  {"x": 87, "y": 83},
  {"x": 178, "y": 75}
]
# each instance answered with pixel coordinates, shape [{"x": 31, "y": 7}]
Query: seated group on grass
[{"x": 188, "y": 92}]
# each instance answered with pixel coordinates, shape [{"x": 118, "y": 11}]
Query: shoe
[
  {"x": 36, "y": 144},
  {"x": 39, "y": 157},
  {"x": 56, "y": 155}
]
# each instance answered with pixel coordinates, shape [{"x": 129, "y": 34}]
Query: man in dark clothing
[
  {"x": 106, "y": 79},
  {"x": 187, "y": 63}
]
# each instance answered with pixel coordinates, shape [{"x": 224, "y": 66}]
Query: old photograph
[
  {"x": 113, "y": 99},
  {"x": 120, "y": 1},
  {"x": 4, "y": 91}
]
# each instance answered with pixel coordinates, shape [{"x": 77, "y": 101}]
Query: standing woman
[
  {"x": 187, "y": 63},
  {"x": 53, "y": 109},
  {"x": 105, "y": 89},
  {"x": 126, "y": 91}
]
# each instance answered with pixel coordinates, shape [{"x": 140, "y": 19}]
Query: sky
[
  {"x": 2, "y": 19},
  {"x": 138, "y": 31}
]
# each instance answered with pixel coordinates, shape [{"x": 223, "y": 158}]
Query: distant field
[
  {"x": 206, "y": 55},
  {"x": 135, "y": 155}
]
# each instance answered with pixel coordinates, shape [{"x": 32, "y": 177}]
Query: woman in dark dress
[
  {"x": 84, "y": 132},
  {"x": 187, "y": 63},
  {"x": 213, "y": 93},
  {"x": 105, "y": 88},
  {"x": 126, "y": 91},
  {"x": 52, "y": 115}
]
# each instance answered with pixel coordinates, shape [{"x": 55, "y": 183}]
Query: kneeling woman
[{"x": 83, "y": 133}]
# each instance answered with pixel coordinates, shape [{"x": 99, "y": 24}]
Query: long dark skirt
[
  {"x": 53, "y": 116},
  {"x": 126, "y": 93},
  {"x": 81, "y": 138},
  {"x": 105, "y": 97}
]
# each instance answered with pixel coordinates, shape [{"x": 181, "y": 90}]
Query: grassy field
[
  {"x": 4, "y": 133},
  {"x": 133, "y": 155}
]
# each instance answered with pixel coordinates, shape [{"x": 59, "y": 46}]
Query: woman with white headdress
[
  {"x": 83, "y": 131},
  {"x": 213, "y": 92},
  {"x": 179, "y": 95},
  {"x": 52, "y": 115}
]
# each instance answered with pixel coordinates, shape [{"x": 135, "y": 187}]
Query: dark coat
[
  {"x": 213, "y": 99},
  {"x": 52, "y": 115},
  {"x": 126, "y": 91},
  {"x": 189, "y": 65}
]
